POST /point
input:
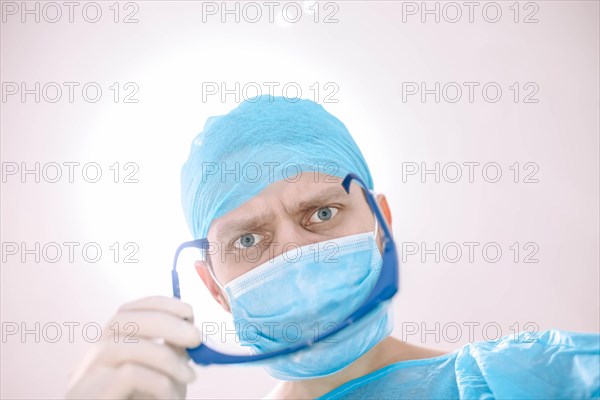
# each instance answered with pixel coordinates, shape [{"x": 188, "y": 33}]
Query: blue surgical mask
[{"x": 301, "y": 293}]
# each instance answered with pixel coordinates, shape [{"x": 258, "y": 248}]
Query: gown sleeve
[{"x": 552, "y": 364}]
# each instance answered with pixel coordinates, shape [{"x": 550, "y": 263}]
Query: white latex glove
[{"x": 154, "y": 367}]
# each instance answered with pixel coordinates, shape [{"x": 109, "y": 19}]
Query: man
[{"x": 269, "y": 174}]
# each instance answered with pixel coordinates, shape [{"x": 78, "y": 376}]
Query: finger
[
  {"x": 180, "y": 351},
  {"x": 170, "y": 305},
  {"x": 132, "y": 379},
  {"x": 184, "y": 357},
  {"x": 159, "y": 357},
  {"x": 155, "y": 324}
]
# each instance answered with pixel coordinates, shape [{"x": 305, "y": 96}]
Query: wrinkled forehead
[{"x": 302, "y": 193}]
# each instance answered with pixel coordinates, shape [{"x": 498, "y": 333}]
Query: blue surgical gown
[{"x": 552, "y": 364}]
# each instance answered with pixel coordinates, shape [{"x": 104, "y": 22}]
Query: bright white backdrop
[{"x": 367, "y": 57}]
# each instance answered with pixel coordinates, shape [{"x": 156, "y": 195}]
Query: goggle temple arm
[
  {"x": 372, "y": 203},
  {"x": 387, "y": 284},
  {"x": 201, "y": 244}
]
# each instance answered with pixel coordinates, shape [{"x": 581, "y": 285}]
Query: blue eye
[
  {"x": 247, "y": 240},
  {"x": 323, "y": 214}
]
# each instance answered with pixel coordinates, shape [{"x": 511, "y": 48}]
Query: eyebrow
[
  {"x": 321, "y": 198},
  {"x": 243, "y": 225},
  {"x": 260, "y": 220}
]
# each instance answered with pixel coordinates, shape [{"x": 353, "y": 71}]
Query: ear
[
  {"x": 213, "y": 288},
  {"x": 387, "y": 213}
]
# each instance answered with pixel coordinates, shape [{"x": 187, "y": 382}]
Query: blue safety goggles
[{"x": 385, "y": 288}]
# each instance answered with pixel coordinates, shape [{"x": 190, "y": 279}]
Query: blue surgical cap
[{"x": 264, "y": 140}]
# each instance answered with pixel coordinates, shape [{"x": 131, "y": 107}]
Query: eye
[
  {"x": 323, "y": 214},
  {"x": 247, "y": 240}
]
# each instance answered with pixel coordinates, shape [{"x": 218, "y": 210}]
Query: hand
[{"x": 151, "y": 363}]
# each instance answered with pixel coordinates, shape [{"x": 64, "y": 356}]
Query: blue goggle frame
[{"x": 385, "y": 288}]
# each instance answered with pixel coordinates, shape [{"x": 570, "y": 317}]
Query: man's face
[{"x": 284, "y": 216}]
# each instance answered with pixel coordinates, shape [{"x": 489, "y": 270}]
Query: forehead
[{"x": 289, "y": 195}]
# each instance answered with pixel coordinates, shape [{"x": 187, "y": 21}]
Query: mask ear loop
[
  {"x": 214, "y": 277},
  {"x": 375, "y": 216},
  {"x": 376, "y": 228}
]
